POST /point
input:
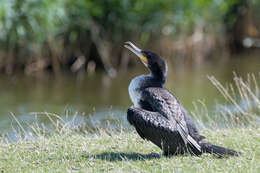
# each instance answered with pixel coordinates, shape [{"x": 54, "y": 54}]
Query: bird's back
[{"x": 163, "y": 101}]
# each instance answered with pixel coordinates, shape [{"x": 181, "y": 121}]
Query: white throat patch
[{"x": 134, "y": 90}]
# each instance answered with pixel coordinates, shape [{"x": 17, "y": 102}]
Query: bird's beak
[{"x": 136, "y": 51}]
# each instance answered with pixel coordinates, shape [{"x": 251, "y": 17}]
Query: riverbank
[{"x": 69, "y": 151}]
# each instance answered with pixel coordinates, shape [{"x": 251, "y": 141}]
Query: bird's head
[{"x": 151, "y": 60}]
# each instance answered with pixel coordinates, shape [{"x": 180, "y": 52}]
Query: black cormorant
[{"x": 159, "y": 117}]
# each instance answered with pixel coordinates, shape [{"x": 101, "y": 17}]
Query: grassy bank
[
  {"x": 125, "y": 152},
  {"x": 66, "y": 148}
]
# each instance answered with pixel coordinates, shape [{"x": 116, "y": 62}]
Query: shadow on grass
[{"x": 112, "y": 156}]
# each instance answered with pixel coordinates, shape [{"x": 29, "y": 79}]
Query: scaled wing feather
[{"x": 166, "y": 104}]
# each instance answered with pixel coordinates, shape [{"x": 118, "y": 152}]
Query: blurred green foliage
[
  {"x": 26, "y": 25},
  {"x": 35, "y": 20}
]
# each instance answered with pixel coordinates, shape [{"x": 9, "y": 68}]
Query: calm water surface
[{"x": 95, "y": 99}]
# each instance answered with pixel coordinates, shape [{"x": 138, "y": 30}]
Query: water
[{"x": 98, "y": 98}]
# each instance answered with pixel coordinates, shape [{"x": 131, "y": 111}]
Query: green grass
[{"x": 125, "y": 152}]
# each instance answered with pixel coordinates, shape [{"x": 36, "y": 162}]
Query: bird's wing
[
  {"x": 163, "y": 101},
  {"x": 156, "y": 128}
]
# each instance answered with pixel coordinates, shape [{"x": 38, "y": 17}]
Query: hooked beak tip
[{"x": 129, "y": 45}]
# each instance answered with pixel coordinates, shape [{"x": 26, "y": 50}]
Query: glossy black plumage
[
  {"x": 166, "y": 124},
  {"x": 158, "y": 116}
]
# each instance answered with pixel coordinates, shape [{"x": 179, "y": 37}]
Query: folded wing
[{"x": 164, "y": 102}]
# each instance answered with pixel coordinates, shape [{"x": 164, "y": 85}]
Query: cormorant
[{"x": 159, "y": 117}]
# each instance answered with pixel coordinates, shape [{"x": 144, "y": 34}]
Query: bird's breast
[{"x": 134, "y": 90}]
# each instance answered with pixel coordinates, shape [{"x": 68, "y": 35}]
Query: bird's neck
[
  {"x": 158, "y": 77},
  {"x": 139, "y": 83},
  {"x": 149, "y": 80},
  {"x": 159, "y": 73}
]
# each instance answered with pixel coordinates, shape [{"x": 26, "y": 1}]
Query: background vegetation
[{"x": 68, "y": 35}]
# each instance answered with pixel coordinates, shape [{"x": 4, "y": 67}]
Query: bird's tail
[{"x": 218, "y": 150}]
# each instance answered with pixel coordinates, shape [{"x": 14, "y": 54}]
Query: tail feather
[{"x": 218, "y": 150}]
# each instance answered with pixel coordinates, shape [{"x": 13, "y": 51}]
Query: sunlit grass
[{"x": 125, "y": 152}]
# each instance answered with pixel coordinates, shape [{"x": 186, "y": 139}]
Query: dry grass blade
[{"x": 225, "y": 93}]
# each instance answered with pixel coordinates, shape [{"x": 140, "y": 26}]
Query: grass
[
  {"x": 74, "y": 150},
  {"x": 125, "y": 152}
]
